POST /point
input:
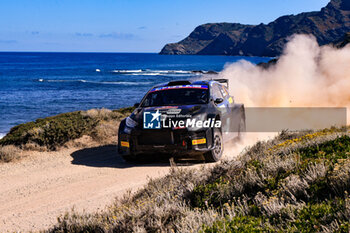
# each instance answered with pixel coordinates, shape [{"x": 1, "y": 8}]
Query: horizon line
[{"x": 72, "y": 52}]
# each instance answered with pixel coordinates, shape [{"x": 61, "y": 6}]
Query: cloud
[
  {"x": 142, "y": 28},
  {"x": 84, "y": 34},
  {"x": 119, "y": 36},
  {"x": 8, "y": 41}
]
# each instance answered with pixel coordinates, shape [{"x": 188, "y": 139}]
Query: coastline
[{"x": 57, "y": 83}]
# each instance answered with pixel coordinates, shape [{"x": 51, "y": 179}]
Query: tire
[
  {"x": 216, "y": 153},
  {"x": 129, "y": 158}
]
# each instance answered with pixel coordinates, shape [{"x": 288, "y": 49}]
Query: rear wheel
[{"x": 216, "y": 153}]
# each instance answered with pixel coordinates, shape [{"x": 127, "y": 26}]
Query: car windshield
[{"x": 176, "y": 96}]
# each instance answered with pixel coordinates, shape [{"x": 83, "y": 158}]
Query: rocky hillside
[
  {"x": 327, "y": 25},
  {"x": 344, "y": 41}
]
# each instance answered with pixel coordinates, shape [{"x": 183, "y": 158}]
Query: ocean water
[{"x": 37, "y": 85}]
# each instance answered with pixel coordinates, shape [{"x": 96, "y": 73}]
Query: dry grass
[
  {"x": 9, "y": 153},
  {"x": 295, "y": 182},
  {"x": 76, "y": 129},
  {"x": 103, "y": 113},
  {"x": 106, "y": 132},
  {"x": 32, "y": 146}
]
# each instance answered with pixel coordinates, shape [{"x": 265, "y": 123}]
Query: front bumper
[{"x": 179, "y": 142}]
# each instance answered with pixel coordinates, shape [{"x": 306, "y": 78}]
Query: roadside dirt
[
  {"x": 37, "y": 189},
  {"x": 43, "y": 186}
]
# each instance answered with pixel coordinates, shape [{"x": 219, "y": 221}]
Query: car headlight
[
  {"x": 200, "y": 117},
  {"x": 130, "y": 123}
]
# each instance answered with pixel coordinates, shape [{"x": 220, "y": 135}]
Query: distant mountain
[{"x": 327, "y": 25}]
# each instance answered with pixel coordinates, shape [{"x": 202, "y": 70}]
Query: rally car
[{"x": 182, "y": 118}]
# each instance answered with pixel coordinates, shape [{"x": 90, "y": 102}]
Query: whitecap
[
  {"x": 121, "y": 83},
  {"x": 99, "y": 82},
  {"x": 127, "y": 71},
  {"x": 147, "y": 74},
  {"x": 151, "y": 72},
  {"x": 171, "y": 71}
]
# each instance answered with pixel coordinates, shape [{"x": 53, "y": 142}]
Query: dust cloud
[{"x": 306, "y": 75}]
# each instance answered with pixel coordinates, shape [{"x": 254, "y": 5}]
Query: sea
[{"x": 36, "y": 85}]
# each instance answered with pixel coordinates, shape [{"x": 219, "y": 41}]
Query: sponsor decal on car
[
  {"x": 230, "y": 100},
  {"x": 157, "y": 120},
  {"x": 179, "y": 87},
  {"x": 199, "y": 141},
  {"x": 173, "y": 111},
  {"x": 125, "y": 144},
  {"x": 151, "y": 120}
]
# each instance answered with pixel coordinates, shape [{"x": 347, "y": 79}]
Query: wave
[
  {"x": 149, "y": 72},
  {"x": 94, "y": 82},
  {"x": 2, "y": 135},
  {"x": 171, "y": 71},
  {"x": 127, "y": 71}
]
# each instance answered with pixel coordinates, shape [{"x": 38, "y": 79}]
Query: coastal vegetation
[
  {"x": 296, "y": 182},
  {"x": 51, "y": 133}
]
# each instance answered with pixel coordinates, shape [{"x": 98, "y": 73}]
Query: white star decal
[{"x": 155, "y": 115}]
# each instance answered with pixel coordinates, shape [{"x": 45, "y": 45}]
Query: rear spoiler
[{"x": 225, "y": 81}]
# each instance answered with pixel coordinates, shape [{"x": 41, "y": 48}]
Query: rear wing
[{"x": 223, "y": 81}]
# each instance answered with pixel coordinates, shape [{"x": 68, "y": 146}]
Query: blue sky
[{"x": 126, "y": 25}]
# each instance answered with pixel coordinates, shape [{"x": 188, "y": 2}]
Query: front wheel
[
  {"x": 216, "y": 153},
  {"x": 129, "y": 158}
]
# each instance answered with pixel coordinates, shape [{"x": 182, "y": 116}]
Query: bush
[
  {"x": 295, "y": 182},
  {"x": 50, "y": 132},
  {"x": 240, "y": 224},
  {"x": 53, "y": 132},
  {"x": 9, "y": 153}
]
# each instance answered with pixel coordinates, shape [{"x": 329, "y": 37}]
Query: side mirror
[
  {"x": 219, "y": 101},
  {"x": 136, "y": 105}
]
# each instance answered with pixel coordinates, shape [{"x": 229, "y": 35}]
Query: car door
[{"x": 233, "y": 110}]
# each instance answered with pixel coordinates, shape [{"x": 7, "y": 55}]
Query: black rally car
[{"x": 182, "y": 118}]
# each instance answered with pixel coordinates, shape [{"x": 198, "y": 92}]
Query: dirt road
[{"x": 37, "y": 189}]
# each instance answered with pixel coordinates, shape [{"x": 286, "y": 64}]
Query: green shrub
[
  {"x": 240, "y": 224},
  {"x": 53, "y": 132},
  {"x": 210, "y": 195},
  {"x": 296, "y": 182},
  {"x": 50, "y": 132},
  {"x": 311, "y": 218},
  {"x": 330, "y": 150}
]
